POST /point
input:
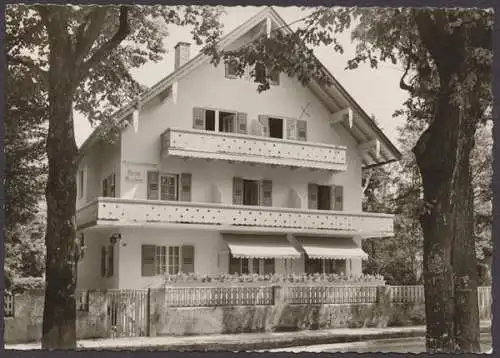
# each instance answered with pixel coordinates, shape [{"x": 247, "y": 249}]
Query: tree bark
[
  {"x": 450, "y": 277},
  {"x": 59, "y": 315}
]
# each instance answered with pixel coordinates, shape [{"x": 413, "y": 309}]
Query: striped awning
[
  {"x": 331, "y": 248},
  {"x": 260, "y": 246}
]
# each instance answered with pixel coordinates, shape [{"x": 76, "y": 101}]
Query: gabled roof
[{"x": 363, "y": 129}]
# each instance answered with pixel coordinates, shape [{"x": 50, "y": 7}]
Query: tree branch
[
  {"x": 102, "y": 52},
  {"x": 29, "y": 63},
  {"x": 88, "y": 31},
  {"x": 430, "y": 33}
]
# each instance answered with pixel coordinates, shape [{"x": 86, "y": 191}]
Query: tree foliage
[
  {"x": 80, "y": 58},
  {"x": 447, "y": 56}
]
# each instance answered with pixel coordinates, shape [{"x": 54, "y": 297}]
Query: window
[
  {"x": 276, "y": 127},
  {"x": 159, "y": 260},
  {"x": 108, "y": 186},
  {"x": 244, "y": 266},
  {"x": 261, "y": 71},
  {"x": 275, "y": 77},
  {"x": 80, "y": 183},
  {"x": 327, "y": 266},
  {"x": 107, "y": 261},
  {"x": 226, "y": 122},
  {"x": 219, "y": 120},
  {"x": 250, "y": 192},
  {"x": 209, "y": 120},
  {"x": 231, "y": 69},
  {"x": 322, "y": 197},
  {"x": 168, "y": 187}
]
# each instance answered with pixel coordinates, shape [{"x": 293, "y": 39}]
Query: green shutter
[
  {"x": 291, "y": 128},
  {"x": 185, "y": 187},
  {"x": 187, "y": 252},
  {"x": 301, "y": 130},
  {"x": 111, "y": 259},
  {"x": 237, "y": 191},
  {"x": 198, "y": 118},
  {"x": 153, "y": 185},
  {"x": 337, "y": 197},
  {"x": 264, "y": 125},
  {"x": 103, "y": 261},
  {"x": 312, "y": 194},
  {"x": 148, "y": 260},
  {"x": 242, "y": 123},
  {"x": 266, "y": 191}
]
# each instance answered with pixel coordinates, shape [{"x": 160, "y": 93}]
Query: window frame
[
  {"x": 163, "y": 264},
  {"x": 160, "y": 185}
]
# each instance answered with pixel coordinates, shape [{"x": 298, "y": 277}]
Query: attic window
[
  {"x": 261, "y": 71},
  {"x": 231, "y": 69}
]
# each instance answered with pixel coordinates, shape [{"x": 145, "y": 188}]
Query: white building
[{"x": 213, "y": 177}]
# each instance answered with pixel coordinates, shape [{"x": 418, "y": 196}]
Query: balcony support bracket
[{"x": 343, "y": 115}]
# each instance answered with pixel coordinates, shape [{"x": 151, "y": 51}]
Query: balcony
[
  {"x": 192, "y": 143},
  {"x": 147, "y": 213}
]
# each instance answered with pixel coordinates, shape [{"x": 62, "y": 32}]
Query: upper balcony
[
  {"x": 194, "y": 143},
  {"x": 148, "y": 213}
]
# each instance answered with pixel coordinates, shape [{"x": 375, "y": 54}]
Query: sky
[{"x": 376, "y": 90}]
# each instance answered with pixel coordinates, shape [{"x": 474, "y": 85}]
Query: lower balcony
[
  {"x": 223, "y": 217},
  {"x": 190, "y": 143}
]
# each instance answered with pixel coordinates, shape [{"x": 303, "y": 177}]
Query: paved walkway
[{"x": 247, "y": 341}]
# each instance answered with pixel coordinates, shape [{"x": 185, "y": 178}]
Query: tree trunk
[
  {"x": 450, "y": 278},
  {"x": 59, "y": 315}
]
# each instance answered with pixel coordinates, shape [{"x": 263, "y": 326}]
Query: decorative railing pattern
[
  {"x": 407, "y": 294},
  {"x": 219, "y": 296},
  {"x": 143, "y": 211},
  {"x": 254, "y": 149},
  {"x": 8, "y": 305},
  {"x": 330, "y": 294}
]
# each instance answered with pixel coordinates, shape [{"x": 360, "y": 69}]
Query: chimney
[{"x": 181, "y": 54}]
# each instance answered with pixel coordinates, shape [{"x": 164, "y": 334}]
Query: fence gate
[{"x": 128, "y": 314}]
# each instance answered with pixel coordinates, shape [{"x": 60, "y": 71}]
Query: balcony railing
[
  {"x": 252, "y": 149},
  {"x": 222, "y": 216}
]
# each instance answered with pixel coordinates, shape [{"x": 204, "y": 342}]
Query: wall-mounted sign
[{"x": 135, "y": 175}]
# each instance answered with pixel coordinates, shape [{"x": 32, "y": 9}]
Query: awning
[
  {"x": 331, "y": 248},
  {"x": 260, "y": 246}
]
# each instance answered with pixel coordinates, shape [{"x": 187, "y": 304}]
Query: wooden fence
[
  {"x": 330, "y": 294},
  {"x": 8, "y": 305},
  {"x": 209, "y": 296}
]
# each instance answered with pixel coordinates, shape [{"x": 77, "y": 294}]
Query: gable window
[
  {"x": 231, "y": 69},
  {"x": 160, "y": 260},
  {"x": 81, "y": 183},
  {"x": 162, "y": 186},
  {"x": 261, "y": 71},
  {"x": 322, "y": 197},
  {"x": 108, "y": 186},
  {"x": 245, "y": 266}
]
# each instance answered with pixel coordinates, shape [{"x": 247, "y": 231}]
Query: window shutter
[
  {"x": 187, "y": 259},
  {"x": 264, "y": 122},
  {"x": 103, "y": 261},
  {"x": 153, "y": 185},
  {"x": 105, "y": 187},
  {"x": 266, "y": 190},
  {"x": 291, "y": 128},
  {"x": 185, "y": 187},
  {"x": 112, "y": 186},
  {"x": 301, "y": 130},
  {"x": 198, "y": 118},
  {"x": 337, "y": 201},
  {"x": 242, "y": 123},
  {"x": 148, "y": 260},
  {"x": 237, "y": 191},
  {"x": 111, "y": 259},
  {"x": 312, "y": 190}
]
